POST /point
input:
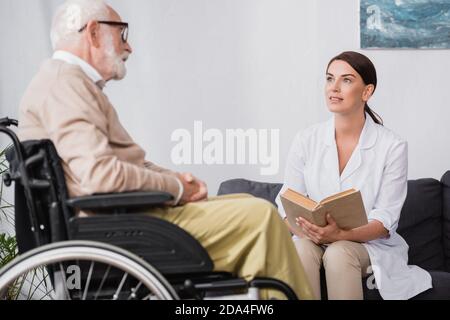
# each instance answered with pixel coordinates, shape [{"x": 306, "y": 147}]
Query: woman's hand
[{"x": 322, "y": 235}]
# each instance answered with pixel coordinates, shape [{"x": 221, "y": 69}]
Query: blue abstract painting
[{"x": 422, "y": 24}]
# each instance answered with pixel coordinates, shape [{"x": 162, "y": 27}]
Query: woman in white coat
[{"x": 354, "y": 150}]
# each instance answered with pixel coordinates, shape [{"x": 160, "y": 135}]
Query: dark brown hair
[{"x": 366, "y": 70}]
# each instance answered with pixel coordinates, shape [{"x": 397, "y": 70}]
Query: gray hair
[{"x": 73, "y": 15}]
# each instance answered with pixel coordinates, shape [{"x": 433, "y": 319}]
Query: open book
[{"x": 346, "y": 208}]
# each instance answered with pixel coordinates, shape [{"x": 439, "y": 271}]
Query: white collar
[
  {"x": 89, "y": 70},
  {"x": 367, "y": 138}
]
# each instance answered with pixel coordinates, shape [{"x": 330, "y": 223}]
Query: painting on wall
[{"x": 418, "y": 24}]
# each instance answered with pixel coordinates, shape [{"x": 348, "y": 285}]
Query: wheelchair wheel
[{"x": 82, "y": 270}]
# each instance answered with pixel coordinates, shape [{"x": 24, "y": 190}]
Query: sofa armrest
[{"x": 123, "y": 200}]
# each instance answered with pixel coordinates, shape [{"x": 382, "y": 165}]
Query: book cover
[{"x": 346, "y": 208}]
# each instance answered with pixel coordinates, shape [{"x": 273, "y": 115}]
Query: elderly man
[{"x": 65, "y": 103}]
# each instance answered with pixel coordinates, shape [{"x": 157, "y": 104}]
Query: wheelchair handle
[
  {"x": 22, "y": 171},
  {"x": 6, "y": 122}
]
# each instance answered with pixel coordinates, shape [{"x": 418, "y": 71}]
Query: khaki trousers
[
  {"x": 345, "y": 263},
  {"x": 243, "y": 235}
]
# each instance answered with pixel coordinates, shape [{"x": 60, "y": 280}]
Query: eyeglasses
[{"x": 124, "y": 25}]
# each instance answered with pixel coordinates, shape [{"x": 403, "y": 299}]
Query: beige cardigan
[{"x": 64, "y": 105}]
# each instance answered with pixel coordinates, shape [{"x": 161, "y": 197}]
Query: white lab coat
[{"x": 378, "y": 168}]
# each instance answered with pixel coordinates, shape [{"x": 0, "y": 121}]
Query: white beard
[{"x": 117, "y": 62}]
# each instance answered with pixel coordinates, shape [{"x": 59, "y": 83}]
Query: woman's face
[{"x": 345, "y": 91}]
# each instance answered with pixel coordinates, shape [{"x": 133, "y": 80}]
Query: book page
[
  {"x": 300, "y": 199},
  {"x": 337, "y": 195}
]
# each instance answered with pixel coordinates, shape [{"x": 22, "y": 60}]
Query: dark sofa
[{"x": 424, "y": 224}]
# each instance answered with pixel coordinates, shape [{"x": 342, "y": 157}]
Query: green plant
[{"x": 8, "y": 249}]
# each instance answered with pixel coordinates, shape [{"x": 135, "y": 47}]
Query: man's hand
[
  {"x": 194, "y": 188},
  {"x": 328, "y": 234}
]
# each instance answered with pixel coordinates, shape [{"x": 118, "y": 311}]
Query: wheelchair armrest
[{"x": 120, "y": 200}]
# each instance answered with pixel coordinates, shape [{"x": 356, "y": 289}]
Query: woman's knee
[
  {"x": 339, "y": 254},
  {"x": 308, "y": 251}
]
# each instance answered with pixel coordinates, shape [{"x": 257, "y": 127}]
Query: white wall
[{"x": 241, "y": 64}]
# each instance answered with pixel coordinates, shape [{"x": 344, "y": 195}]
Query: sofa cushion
[
  {"x": 441, "y": 287},
  {"x": 265, "y": 190},
  {"x": 446, "y": 218},
  {"x": 421, "y": 224}
]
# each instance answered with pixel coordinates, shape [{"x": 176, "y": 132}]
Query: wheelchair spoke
[
  {"x": 31, "y": 284},
  {"x": 49, "y": 288},
  {"x": 25, "y": 281},
  {"x": 43, "y": 281},
  {"x": 147, "y": 297},
  {"x": 134, "y": 291},
  {"x": 49, "y": 294},
  {"x": 102, "y": 282},
  {"x": 91, "y": 268},
  {"x": 116, "y": 295},
  {"x": 21, "y": 281},
  {"x": 63, "y": 273},
  {"x": 79, "y": 268}
]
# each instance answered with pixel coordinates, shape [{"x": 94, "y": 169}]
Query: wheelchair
[{"x": 119, "y": 253}]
